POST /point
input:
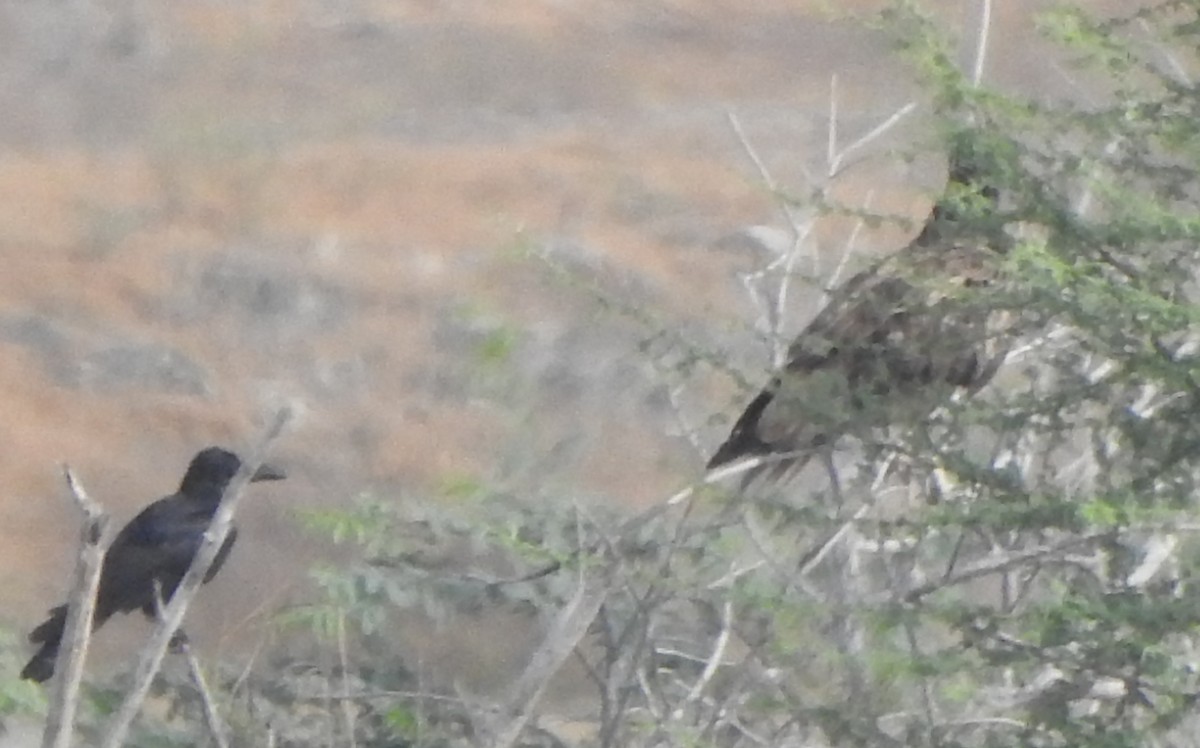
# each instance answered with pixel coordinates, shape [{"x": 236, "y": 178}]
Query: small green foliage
[
  {"x": 497, "y": 347},
  {"x": 17, "y": 697},
  {"x": 402, "y": 722},
  {"x": 1103, "y": 512},
  {"x": 462, "y": 487},
  {"x": 1088, "y": 37}
]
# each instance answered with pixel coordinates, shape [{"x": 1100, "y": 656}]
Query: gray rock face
[
  {"x": 71, "y": 359},
  {"x": 150, "y": 368},
  {"x": 36, "y": 333},
  {"x": 270, "y": 298}
]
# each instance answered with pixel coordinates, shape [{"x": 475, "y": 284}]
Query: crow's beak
[{"x": 268, "y": 472}]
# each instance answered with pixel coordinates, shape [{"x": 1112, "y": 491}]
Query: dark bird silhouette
[
  {"x": 153, "y": 552},
  {"x": 892, "y": 342}
]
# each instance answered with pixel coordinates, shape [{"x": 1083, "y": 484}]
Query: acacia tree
[{"x": 1012, "y": 569}]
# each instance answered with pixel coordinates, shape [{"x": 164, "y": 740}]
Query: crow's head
[{"x": 215, "y": 467}]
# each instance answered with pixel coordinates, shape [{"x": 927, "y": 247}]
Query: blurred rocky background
[{"x": 208, "y": 208}]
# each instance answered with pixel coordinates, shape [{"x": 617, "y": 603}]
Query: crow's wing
[{"x": 157, "y": 545}]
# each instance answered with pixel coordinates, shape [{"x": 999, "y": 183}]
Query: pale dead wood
[
  {"x": 570, "y": 626},
  {"x": 93, "y": 542},
  {"x": 212, "y": 717}
]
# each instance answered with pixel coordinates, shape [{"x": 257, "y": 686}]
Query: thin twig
[
  {"x": 801, "y": 228},
  {"x": 764, "y": 173},
  {"x": 348, "y": 711},
  {"x": 835, "y": 277},
  {"x": 682, "y": 497},
  {"x": 823, "y": 550},
  {"x": 981, "y": 43},
  {"x": 714, "y": 660},
  {"x": 1173, "y": 62},
  {"x": 212, "y": 719},
  {"x": 836, "y": 167},
  {"x": 1083, "y": 203},
  {"x": 1000, "y": 565},
  {"x": 831, "y": 140},
  {"x": 382, "y": 694}
]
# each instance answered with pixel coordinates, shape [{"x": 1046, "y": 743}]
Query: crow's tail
[
  {"x": 41, "y": 666},
  {"x": 49, "y": 634}
]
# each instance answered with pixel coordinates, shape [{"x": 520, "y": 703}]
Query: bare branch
[
  {"x": 93, "y": 542},
  {"x": 348, "y": 711},
  {"x": 831, "y": 152},
  {"x": 875, "y": 132},
  {"x": 212, "y": 719},
  {"x": 716, "y": 658},
  {"x": 1006, "y": 562},
  {"x": 981, "y": 44},
  {"x": 569, "y": 627}
]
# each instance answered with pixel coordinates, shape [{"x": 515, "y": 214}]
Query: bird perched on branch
[
  {"x": 893, "y": 341},
  {"x": 151, "y": 554}
]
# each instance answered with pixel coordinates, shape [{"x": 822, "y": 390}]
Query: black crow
[{"x": 157, "y": 546}]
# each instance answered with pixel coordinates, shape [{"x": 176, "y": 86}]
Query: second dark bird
[
  {"x": 157, "y": 546},
  {"x": 893, "y": 341}
]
